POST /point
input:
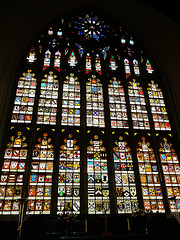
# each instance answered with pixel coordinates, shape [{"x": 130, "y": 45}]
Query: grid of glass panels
[
  {"x": 138, "y": 106},
  {"x": 124, "y": 178},
  {"x": 69, "y": 177},
  {"x": 40, "y": 182},
  {"x": 12, "y": 174},
  {"x": 71, "y": 101},
  {"x": 24, "y": 100},
  {"x": 47, "y": 107},
  {"x": 97, "y": 170},
  {"x": 171, "y": 171},
  {"x": 94, "y": 103},
  {"x": 158, "y": 108},
  {"x": 149, "y": 176},
  {"x": 117, "y": 105}
]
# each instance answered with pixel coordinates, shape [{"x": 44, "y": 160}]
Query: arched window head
[{"x": 47, "y": 59}]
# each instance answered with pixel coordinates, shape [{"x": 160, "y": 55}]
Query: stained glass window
[
  {"x": 158, "y": 108},
  {"x": 47, "y": 107},
  {"x": 47, "y": 59},
  {"x": 12, "y": 173},
  {"x": 72, "y": 60},
  {"x": 40, "y": 182},
  {"x": 136, "y": 67},
  {"x": 69, "y": 177},
  {"x": 88, "y": 63},
  {"x": 112, "y": 63},
  {"x": 98, "y": 186},
  {"x": 138, "y": 106},
  {"x": 71, "y": 101},
  {"x": 24, "y": 100},
  {"x": 124, "y": 178},
  {"x": 149, "y": 176},
  {"x": 94, "y": 103},
  {"x": 127, "y": 67},
  {"x": 171, "y": 171},
  {"x": 84, "y": 69},
  {"x": 117, "y": 105},
  {"x": 57, "y": 60},
  {"x": 98, "y": 64}
]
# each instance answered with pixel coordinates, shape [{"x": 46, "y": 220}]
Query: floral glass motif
[
  {"x": 57, "y": 60},
  {"x": 158, "y": 108},
  {"x": 149, "y": 176},
  {"x": 127, "y": 67},
  {"x": 47, "y": 59},
  {"x": 124, "y": 178},
  {"x": 149, "y": 67},
  {"x": 112, "y": 63},
  {"x": 47, "y": 107},
  {"x": 31, "y": 56},
  {"x": 136, "y": 67},
  {"x": 97, "y": 170},
  {"x": 72, "y": 60},
  {"x": 91, "y": 27},
  {"x": 117, "y": 105},
  {"x": 24, "y": 100},
  {"x": 171, "y": 172},
  {"x": 98, "y": 64},
  {"x": 81, "y": 49},
  {"x": 94, "y": 103},
  {"x": 138, "y": 106},
  {"x": 69, "y": 177},
  {"x": 88, "y": 63},
  {"x": 71, "y": 101},
  {"x": 40, "y": 183},
  {"x": 12, "y": 174}
]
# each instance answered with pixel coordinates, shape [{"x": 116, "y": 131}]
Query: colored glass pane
[
  {"x": 91, "y": 27},
  {"x": 98, "y": 64},
  {"x": 69, "y": 177},
  {"x": 112, "y": 63},
  {"x": 149, "y": 176},
  {"x": 149, "y": 67},
  {"x": 138, "y": 106},
  {"x": 40, "y": 182},
  {"x": 47, "y": 107},
  {"x": 127, "y": 67},
  {"x": 88, "y": 63},
  {"x": 136, "y": 67},
  {"x": 124, "y": 178},
  {"x": 158, "y": 108},
  {"x": 171, "y": 172},
  {"x": 47, "y": 59},
  {"x": 12, "y": 174},
  {"x": 97, "y": 170},
  {"x": 94, "y": 103},
  {"x": 71, "y": 101},
  {"x": 57, "y": 60},
  {"x": 24, "y": 100},
  {"x": 31, "y": 56},
  {"x": 117, "y": 105},
  {"x": 72, "y": 60}
]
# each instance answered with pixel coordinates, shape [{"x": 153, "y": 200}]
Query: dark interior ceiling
[{"x": 170, "y": 8}]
